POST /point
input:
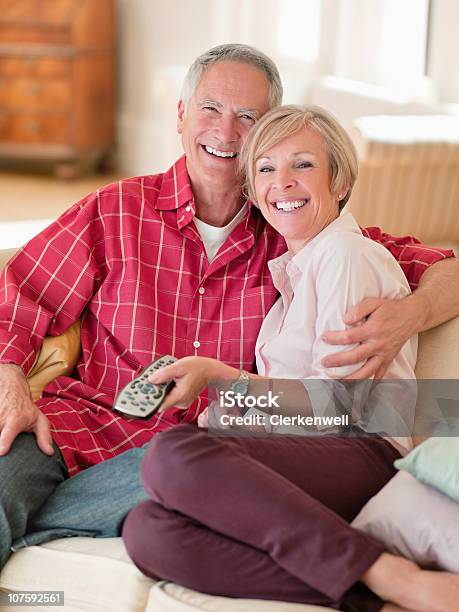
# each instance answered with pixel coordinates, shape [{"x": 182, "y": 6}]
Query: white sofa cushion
[
  {"x": 170, "y": 597},
  {"x": 97, "y": 575}
]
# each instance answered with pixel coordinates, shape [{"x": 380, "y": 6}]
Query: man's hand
[
  {"x": 381, "y": 327},
  {"x": 19, "y": 413}
]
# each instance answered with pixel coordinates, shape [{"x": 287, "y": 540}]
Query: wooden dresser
[{"x": 57, "y": 95}]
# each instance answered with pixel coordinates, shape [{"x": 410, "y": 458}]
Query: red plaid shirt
[{"x": 129, "y": 261}]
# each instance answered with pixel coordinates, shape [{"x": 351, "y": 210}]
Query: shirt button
[
  {"x": 201, "y": 290},
  {"x": 196, "y": 344},
  {"x": 188, "y": 208}
]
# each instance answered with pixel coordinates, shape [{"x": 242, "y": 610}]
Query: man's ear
[{"x": 180, "y": 115}]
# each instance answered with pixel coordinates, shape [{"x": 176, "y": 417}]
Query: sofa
[{"x": 96, "y": 574}]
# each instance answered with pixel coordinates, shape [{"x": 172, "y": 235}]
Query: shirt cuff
[{"x": 18, "y": 353}]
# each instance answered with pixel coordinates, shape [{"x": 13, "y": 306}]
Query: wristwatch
[{"x": 241, "y": 385}]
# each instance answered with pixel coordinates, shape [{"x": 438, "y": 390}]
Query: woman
[{"x": 268, "y": 517}]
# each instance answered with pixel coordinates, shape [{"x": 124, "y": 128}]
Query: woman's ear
[{"x": 343, "y": 193}]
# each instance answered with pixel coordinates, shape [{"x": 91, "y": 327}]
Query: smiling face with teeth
[
  {"x": 292, "y": 184},
  {"x": 228, "y": 100}
]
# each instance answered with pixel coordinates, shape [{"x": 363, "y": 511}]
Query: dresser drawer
[
  {"x": 41, "y": 12},
  {"x": 35, "y": 94},
  {"x": 34, "y": 128},
  {"x": 33, "y": 66},
  {"x": 25, "y": 34},
  {"x": 37, "y": 21}
]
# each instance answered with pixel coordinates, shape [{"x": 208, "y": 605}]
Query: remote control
[{"x": 141, "y": 398}]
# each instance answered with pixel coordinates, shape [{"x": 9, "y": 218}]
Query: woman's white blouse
[{"x": 336, "y": 270}]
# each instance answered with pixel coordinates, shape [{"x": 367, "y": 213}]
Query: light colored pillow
[
  {"x": 435, "y": 462},
  {"x": 58, "y": 356},
  {"x": 415, "y": 521}
]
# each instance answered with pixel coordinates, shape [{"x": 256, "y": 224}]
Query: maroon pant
[{"x": 259, "y": 517}]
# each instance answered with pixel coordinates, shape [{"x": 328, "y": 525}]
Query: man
[{"x": 170, "y": 263}]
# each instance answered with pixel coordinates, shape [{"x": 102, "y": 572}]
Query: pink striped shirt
[{"x": 129, "y": 261}]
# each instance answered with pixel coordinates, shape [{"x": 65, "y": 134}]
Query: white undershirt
[{"x": 213, "y": 237}]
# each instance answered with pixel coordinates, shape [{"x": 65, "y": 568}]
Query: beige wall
[{"x": 159, "y": 39}]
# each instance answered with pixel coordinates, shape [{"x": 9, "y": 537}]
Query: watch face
[{"x": 240, "y": 386}]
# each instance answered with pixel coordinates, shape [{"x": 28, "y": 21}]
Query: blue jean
[
  {"x": 93, "y": 503},
  {"x": 27, "y": 478}
]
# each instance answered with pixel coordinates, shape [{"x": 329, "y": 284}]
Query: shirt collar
[
  {"x": 292, "y": 264},
  {"x": 175, "y": 188},
  {"x": 176, "y": 194}
]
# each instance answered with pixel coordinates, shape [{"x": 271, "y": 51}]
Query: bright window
[
  {"x": 402, "y": 54},
  {"x": 299, "y": 29},
  {"x": 383, "y": 42}
]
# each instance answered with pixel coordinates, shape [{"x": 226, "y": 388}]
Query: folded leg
[
  {"x": 182, "y": 550},
  {"x": 281, "y": 496}
]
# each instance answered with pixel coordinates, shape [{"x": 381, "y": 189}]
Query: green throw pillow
[{"x": 435, "y": 462}]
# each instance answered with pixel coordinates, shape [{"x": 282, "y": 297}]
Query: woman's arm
[
  {"x": 380, "y": 327},
  {"x": 349, "y": 271},
  {"x": 193, "y": 374}
]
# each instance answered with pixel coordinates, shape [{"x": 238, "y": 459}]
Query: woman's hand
[{"x": 191, "y": 376}]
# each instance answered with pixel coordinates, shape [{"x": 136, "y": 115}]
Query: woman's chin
[{"x": 288, "y": 228}]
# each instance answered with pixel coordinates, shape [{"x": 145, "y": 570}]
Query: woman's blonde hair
[{"x": 284, "y": 121}]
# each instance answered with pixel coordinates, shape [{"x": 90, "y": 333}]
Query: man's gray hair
[{"x": 235, "y": 53}]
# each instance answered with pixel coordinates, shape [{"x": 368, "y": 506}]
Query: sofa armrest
[
  {"x": 437, "y": 360},
  {"x": 438, "y": 352},
  {"x": 58, "y": 357}
]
